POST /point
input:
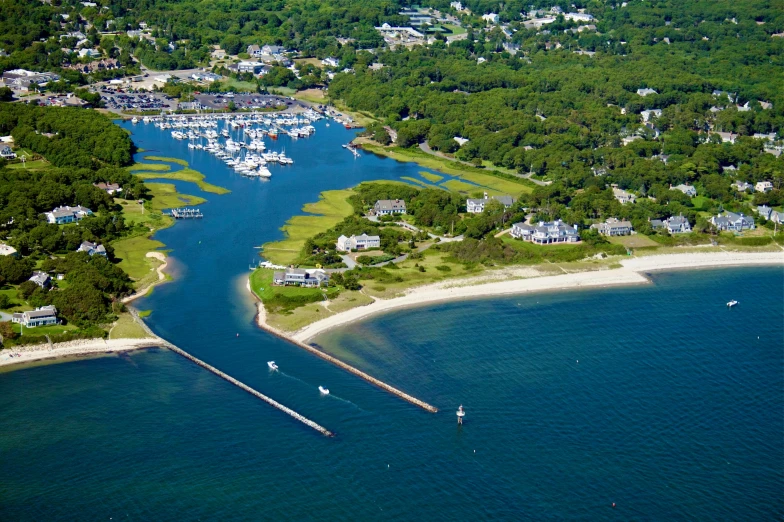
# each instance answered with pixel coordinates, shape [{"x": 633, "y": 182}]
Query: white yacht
[
  {"x": 732, "y": 303},
  {"x": 323, "y": 390},
  {"x": 272, "y": 365}
]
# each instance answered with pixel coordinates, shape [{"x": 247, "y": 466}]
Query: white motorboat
[
  {"x": 134, "y": 120},
  {"x": 272, "y": 365},
  {"x": 323, "y": 390},
  {"x": 732, "y": 303}
]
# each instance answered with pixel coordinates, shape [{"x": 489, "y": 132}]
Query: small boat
[
  {"x": 460, "y": 414},
  {"x": 272, "y": 365},
  {"x": 732, "y": 303},
  {"x": 323, "y": 390}
]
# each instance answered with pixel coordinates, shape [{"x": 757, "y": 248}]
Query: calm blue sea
[{"x": 656, "y": 398}]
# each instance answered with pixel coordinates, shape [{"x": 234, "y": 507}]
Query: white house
[
  {"x": 384, "y": 207},
  {"x": 763, "y": 186},
  {"x": 646, "y": 92},
  {"x": 92, "y": 248},
  {"x": 622, "y": 196},
  {"x": 689, "y": 190},
  {"x": 6, "y": 250},
  {"x": 677, "y": 225},
  {"x": 742, "y": 186},
  {"x": 733, "y": 222},
  {"x": 490, "y": 18},
  {"x": 42, "y": 279},
  {"x": 310, "y": 278},
  {"x": 43, "y": 316},
  {"x": 109, "y": 188},
  {"x": 361, "y": 242},
  {"x": 546, "y": 233},
  {"x": 579, "y": 17},
  {"x": 62, "y": 215},
  {"x": 330, "y": 61},
  {"x": 477, "y": 206},
  {"x": 614, "y": 227}
]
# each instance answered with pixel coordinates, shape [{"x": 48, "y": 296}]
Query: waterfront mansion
[
  {"x": 310, "y": 278},
  {"x": 361, "y": 242},
  {"x": 614, "y": 227},
  {"x": 43, "y": 316},
  {"x": 63, "y": 215},
  {"x": 545, "y": 233},
  {"x": 386, "y": 207},
  {"x": 732, "y": 222}
]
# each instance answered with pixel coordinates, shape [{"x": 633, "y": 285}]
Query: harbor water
[{"x": 657, "y": 398}]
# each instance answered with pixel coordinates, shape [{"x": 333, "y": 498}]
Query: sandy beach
[
  {"x": 631, "y": 273},
  {"x": 38, "y": 352},
  {"x": 161, "y": 277}
]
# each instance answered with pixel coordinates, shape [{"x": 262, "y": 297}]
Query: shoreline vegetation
[{"x": 630, "y": 272}]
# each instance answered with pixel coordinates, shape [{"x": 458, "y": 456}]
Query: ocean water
[{"x": 657, "y": 398}]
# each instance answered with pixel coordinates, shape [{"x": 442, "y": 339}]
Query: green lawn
[
  {"x": 157, "y": 167},
  {"x": 456, "y": 29},
  {"x": 45, "y": 330},
  {"x": 127, "y": 328},
  {"x": 330, "y": 209},
  {"x": 132, "y": 252}
]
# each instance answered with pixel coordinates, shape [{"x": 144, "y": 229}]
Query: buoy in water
[
  {"x": 238, "y": 335},
  {"x": 613, "y": 504}
]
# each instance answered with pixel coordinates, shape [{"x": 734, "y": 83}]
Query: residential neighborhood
[
  {"x": 360, "y": 242},
  {"x": 614, "y": 227},
  {"x": 546, "y": 233}
]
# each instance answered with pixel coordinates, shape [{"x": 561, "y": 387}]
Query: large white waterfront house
[
  {"x": 361, "y": 242},
  {"x": 614, "y": 227},
  {"x": 385, "y": 207},
  {"x": 477, "y": 206},
  {"x": 733, "y": 222},
  {"x": 62, "y": 215},
  {"x": 310, "y": 278},
  {"x": 43, "y": 316},
  {"x": 545, "y": 233}
]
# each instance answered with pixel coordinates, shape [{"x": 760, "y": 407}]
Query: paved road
[{"x": 424, "y": 147}]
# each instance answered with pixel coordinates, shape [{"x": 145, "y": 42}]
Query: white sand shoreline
[
  {"x": 631, "y": 273},
  {"x": 16, "y": 355}
]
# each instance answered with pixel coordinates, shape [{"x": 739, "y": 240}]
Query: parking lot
[
  {"x": 137, "y": 102},
  {"x": 245, "y": 101}
]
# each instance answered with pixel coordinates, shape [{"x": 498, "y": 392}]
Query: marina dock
[{"x": 186, "y": 213}]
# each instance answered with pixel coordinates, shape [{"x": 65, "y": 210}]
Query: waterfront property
[
  {"x": 764, "y": 211},
  {"x": 92, "y": 248},
  {"x": 614, "y": 227},
  {"x": 477, "y": 206},
  {"x": 673, "y": 225},
  {"x": 361, "y": 242},
  {"x": 63, "y": 215},
  {"x": 43, "y": 316},
  {"x": 545, "y": 233},
  {"x": 308, "y": 278},
  {"x": 42, "y": 279},
  {"x": 733, "y": 222},
  {"x": 385, "y": 207}
]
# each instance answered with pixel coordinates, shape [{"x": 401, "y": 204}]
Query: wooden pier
[
  {"x": 186, "y": 213},
  {"x": 275, "y": 404}
]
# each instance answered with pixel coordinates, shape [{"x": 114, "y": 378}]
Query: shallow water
[{"x": 675, "y": 409}]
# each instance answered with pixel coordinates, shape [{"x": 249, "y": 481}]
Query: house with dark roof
[
  {"x": 477, "y": 206},
  {"x": 689, "y": 190},
  {"x": 309, "y": 278},
  {"x": 109, "y": 188},
  {"x": 92, "y": 248},
  {"x": 384, "y": 207},
  {"x": 614, "y": 227},
  {"x": 545, "y": 233},
  {"x": 677, "y": 225},
  {"x": 733, "y": 222},
  {"x": 43, "y": 316},
  {"x": 742, "y": 186}
]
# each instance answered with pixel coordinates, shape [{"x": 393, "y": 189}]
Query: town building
[
  {"x": 42, "y": 279},
  {"x": 43, "y": 316},
  {"x": 614, "y": 227},
  {"x": 384, "y": 207},
  {"x": 622, "y": 196},
  {"x": 23, "y": 80},
  {"x": 92, "y": 248},
  {"x": 545, "y": 233},
  {"x": 689, "y": 190},
  {"x": 763, "y": 186},
  {"x": 361, "y": 242},
  {"x": 309, "y": 278},
  {"x": 109, "y": 188},
  {"x": 477, "y": 206},
  {"x": 733, "y": 222},
  {"x": 63, "y": 215}
]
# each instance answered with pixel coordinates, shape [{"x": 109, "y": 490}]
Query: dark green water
[{"x": 674, "y": 411}]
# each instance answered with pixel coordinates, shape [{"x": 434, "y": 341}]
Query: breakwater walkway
[
  {"x": 337, "y": 362},
  {"x": 275, "y": 404}
]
